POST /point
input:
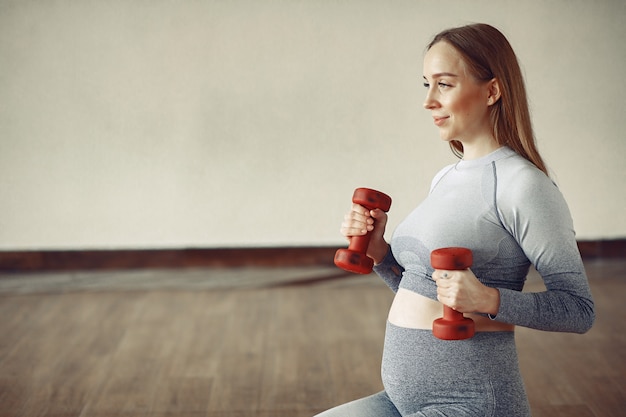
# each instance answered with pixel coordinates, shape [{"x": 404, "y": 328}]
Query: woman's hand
[
  {"x": 463, "y": 292},
  {"x": 360, "y": 221}
]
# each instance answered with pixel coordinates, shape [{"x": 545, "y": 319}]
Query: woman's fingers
[{"x": 357, "y": 222}]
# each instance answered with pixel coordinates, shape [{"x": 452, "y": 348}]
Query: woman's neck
[{"x": 478, "y": 149}]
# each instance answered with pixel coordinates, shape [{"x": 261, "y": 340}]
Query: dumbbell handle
[
  {"x": 360, "y": 243},
  {"x": 370, "y": 199},
  {"x": 354, "y": 258},
  {"x": 451, "y": 314}
]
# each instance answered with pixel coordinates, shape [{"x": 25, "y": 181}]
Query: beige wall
[{"x": 144, "y": 124}]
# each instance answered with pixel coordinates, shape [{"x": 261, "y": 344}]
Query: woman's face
[{"x": 458, "y": 102}]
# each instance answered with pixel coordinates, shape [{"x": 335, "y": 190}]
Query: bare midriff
[{"x": 412, "y": 310}]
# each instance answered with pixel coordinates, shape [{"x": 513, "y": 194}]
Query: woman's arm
[
  {"x": 390, "y": 271},
  {"x": 534, "y": 211}
]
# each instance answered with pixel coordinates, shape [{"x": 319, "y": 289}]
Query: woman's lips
[{"x": 440, "y": 120}]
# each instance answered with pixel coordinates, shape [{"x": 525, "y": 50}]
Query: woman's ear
[{"x": 494, "y": 91}]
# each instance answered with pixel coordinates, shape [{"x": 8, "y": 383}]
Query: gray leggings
[{"x": 427, "y": 377}]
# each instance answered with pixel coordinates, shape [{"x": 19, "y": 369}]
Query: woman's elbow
[{"x": 587, "y": 319}]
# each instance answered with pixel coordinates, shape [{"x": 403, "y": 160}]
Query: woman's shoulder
[
  {"x": 521, "y": 184},
  {"x": 517, "y": 171}
]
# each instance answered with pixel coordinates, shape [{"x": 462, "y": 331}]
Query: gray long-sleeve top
[{"x": 511, "y": 215}]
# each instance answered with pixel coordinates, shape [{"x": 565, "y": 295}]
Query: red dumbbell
[
  {"x": 354, "y": 258},
  {"x": 453, "y": 325}
]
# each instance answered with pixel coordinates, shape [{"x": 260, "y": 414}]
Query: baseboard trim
[
  {"x": 75, "y": 260},
  {"x": 81, "y": 260},
  {"x": 592, "y": 249}
]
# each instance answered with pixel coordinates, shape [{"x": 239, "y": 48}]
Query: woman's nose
[{"x": 429, "y": 102}]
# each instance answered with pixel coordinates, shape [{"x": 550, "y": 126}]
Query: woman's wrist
[
  {"x": 492, "y": 301},
  {"x": 379, "y": 253}
]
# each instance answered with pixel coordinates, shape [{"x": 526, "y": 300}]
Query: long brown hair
[{"x": 487, "y": 55}]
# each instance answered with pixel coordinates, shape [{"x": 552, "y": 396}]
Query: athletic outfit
[{"x": 511, "y": 216}]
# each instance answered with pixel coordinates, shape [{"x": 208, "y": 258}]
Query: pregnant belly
[{"x": 412, "y": 310}]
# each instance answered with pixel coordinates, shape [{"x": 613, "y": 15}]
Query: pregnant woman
[{"x": 499, "y": 202}]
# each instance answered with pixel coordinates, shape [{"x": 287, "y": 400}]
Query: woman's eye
[{"x": 441, "y": 85}]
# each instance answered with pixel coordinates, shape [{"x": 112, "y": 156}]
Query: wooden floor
[{"x": 174, "y": 344}]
